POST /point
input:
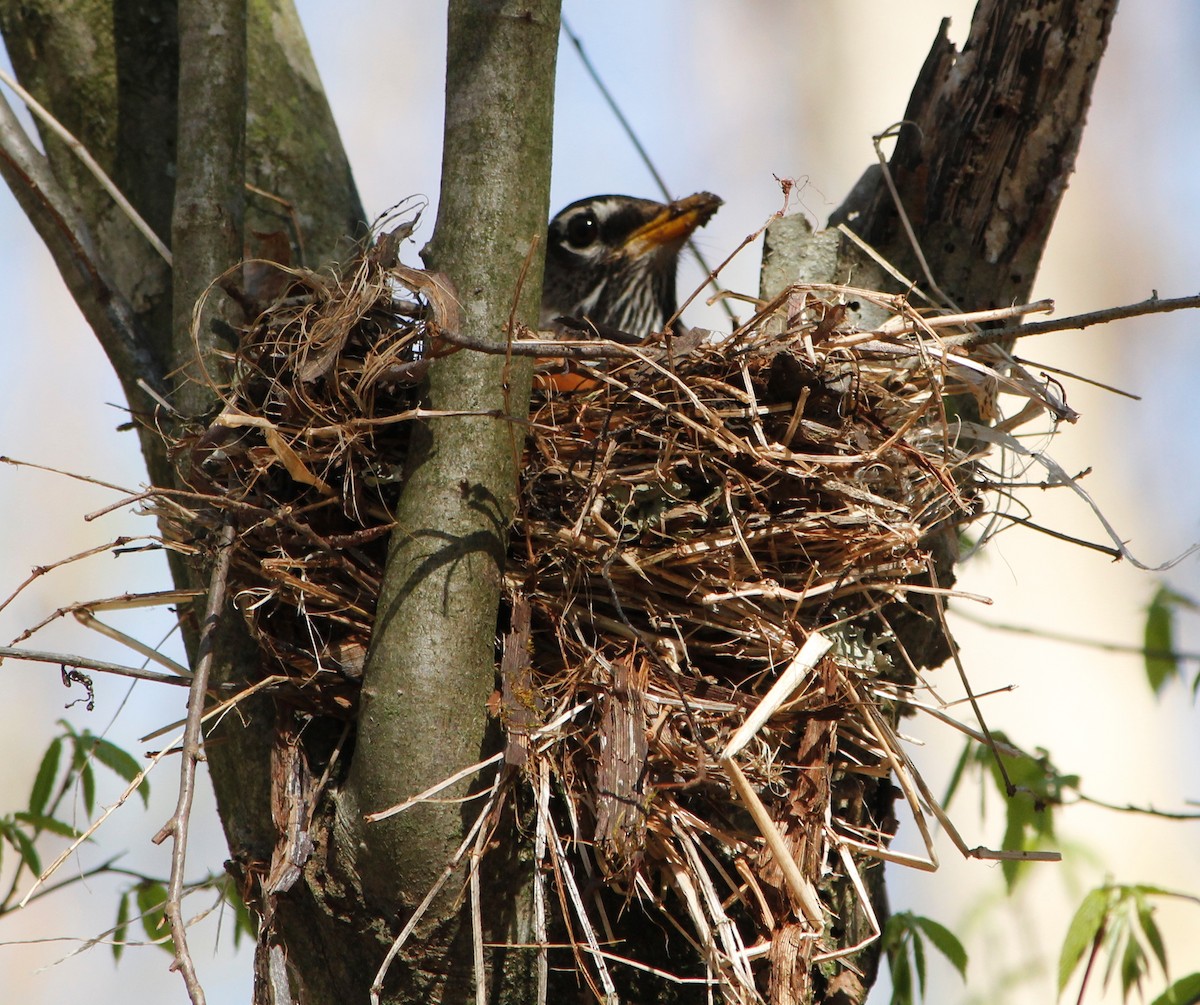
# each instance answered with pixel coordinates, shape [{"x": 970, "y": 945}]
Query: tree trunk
[
  {"x": 987, "y": 148},
  {"x": 210, "y": 191},
  {"x": 431, "y": 666}
]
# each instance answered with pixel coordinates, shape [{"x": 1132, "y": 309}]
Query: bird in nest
[{"x": 610, "y": 265}]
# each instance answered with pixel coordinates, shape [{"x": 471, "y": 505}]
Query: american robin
[{"x": 610, "y": 264}]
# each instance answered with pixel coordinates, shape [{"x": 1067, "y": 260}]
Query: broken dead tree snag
[{"x": 986, "y": 148}]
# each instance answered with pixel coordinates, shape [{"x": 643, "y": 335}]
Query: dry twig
[{"x": 177, "y": 827}]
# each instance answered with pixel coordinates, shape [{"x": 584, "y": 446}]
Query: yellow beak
[{"x": 673, "y": 225}]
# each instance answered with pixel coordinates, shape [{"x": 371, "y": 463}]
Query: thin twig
[
  {"x": 86, "y": 663},
  {"x": 1081, "y": 542},
  {"x": 1061, "y": 372},
  {"x": 58, "y": 221},
  {"x": 894, "y": 130},
  {"x": 637, "y": 145},
  {"x": 89, "y": 162},
  {"x": 96, "y": 870},
  {"x": 448, "y": 870},
  {"x": 1148, "y": 811},
  {"x": 956, "y": 656},
  {"x": 428, "y": 794},
  {"x": 41, "y": 570},
  {"x": 1131, "y": 649},
  {"x": 1058, "y": 476},
  {"x": 86, "y": 618},
  {"x": 606, "y": 94},
  {"x": 476, "y": 892},
  {"x": 135, "y": 783},
  {"x": 547, "y": 348},
  {"x": 177, "y": 826},
  {"x": 1153, "y": 305}
]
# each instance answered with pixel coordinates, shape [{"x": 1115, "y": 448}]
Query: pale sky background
[{"x": 725, "y": 96}]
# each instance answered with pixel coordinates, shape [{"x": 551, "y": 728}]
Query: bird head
[{"x": 610, "y": 261}]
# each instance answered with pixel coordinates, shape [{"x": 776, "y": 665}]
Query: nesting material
[
  {"x": 306, "y": 458},
  {"x": 710, "y": 538},
  {"x": 695, "y": 533}
]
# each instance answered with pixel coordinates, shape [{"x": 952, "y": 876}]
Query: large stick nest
[{"x": 689, "y": 516}]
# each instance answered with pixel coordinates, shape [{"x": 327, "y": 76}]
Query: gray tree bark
[
  {"x": 210, "y": 190},
  {"x": 432, "y": 661}
]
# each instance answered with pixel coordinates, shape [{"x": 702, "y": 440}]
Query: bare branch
[
  {"x": 431, "y": 663},
  {"x": 989, "y": 138},
  {"x": 89, "y": 162},
  {"x": 210, "y": 194},
  {"x": 1148, "y": 811},
  {"x": 543, "y": 348},
  {"x": 177, "y": 826},
  {"x": 61, "y": 227},
  {"x": 1153, "y": 305},
  {"x": 85, "y": 663}
]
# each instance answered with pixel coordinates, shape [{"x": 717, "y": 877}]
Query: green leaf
[
  {"x": 1185, "y": 991},
  {"x": 44, "y": 823},
  {"x": 904, "y": 938},
  {"x": 1162, "y": 661},
  {"x": 123, "y": 763},
  {"x": 24, "y": 846},
  {"x": 47, "y": 771},
  {"x": 902, "y": 989},
  {"x": 946, "y": 943},
  {"x": 152, "y": 903},
  {"x": 87, "y": 781},
  {"x": 1150, "y": 932},
  {"x": 1029, "y": 822},
  {"x": 1158, "y": 639},
  {"x": 244, "y": 924},
  {"x": 1083, "y": 931},
  {"x": 1133, "y": 966},
  {"x": 918, "y": 955},
  {"x": 957, "y": 774},
  {"x": 1139, "y": 891},
  {"x": 1018, "y": 820},
  {"x": 81, "y": 746},
  {"x": 1116, "y": 934},
  {"x": 121, "y": 931}
]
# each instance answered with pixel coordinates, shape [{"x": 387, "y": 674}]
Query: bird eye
[{"x": 582, "y": 230}]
